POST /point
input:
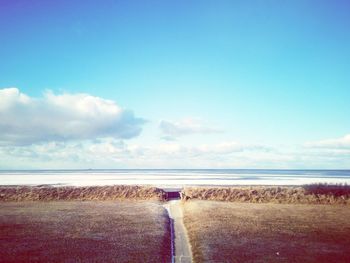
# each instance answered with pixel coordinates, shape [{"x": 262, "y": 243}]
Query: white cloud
[
  {"x": 114, "y": 153},
  {"x": 26, "y": 120},
  {"x": 338, "y": 143},
  {"x": 220, "y": 149},
  {"x": 332, "y": 153},
  {"x": 172, "y": 129},
  {"x": 82, "y": 131}
]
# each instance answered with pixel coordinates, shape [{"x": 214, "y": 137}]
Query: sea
[{"x": 173, "y": 178}]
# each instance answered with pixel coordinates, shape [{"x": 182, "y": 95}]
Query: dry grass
[
  {"x": 246, "y": 232},
  {"x": 119, "y": 231},
  {"x": 47, "y": 193},
  {"x": 310, "y": 194},
  {"x": 328, "y": 189}
]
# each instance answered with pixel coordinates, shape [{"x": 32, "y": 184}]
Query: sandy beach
[{"x": 173, "y": 178}]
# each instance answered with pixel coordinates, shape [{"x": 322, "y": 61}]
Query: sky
[{"x": 174, "y": 84}]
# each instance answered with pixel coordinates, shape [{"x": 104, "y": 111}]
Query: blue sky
[{"x": 266, "y": 78}]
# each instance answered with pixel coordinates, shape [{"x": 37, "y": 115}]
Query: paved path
[{"x": 182, "y": 245}]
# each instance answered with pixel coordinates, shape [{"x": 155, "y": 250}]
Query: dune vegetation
[
  {"x": 337, "y": 190},
  {"x": 308, "y": 194},
  {"x": 248, "y": 232},
  {"x": 90, "y": 231},
  {"x": 66, "y": 193}
]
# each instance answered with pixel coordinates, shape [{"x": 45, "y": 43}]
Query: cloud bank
[
  {"x": 66, "y": 130},
  {"x": 27, "y": 120},
  {"x": 338, "y": 143},
  {"x": 114, "y": 153},
  {"x": 172, "y": 129}
]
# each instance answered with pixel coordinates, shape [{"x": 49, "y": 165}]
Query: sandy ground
[{"x": 182, "y": 246}]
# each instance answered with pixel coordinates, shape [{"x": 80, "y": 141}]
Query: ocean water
[{"x": 173, "y": 178}]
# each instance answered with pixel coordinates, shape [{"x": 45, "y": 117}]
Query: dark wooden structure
[{"x": 171, "y": 195}]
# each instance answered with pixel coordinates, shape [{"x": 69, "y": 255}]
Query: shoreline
[{"x": 171, "y": 178}]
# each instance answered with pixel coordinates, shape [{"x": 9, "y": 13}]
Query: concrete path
[{"x": 182, "y": 246}]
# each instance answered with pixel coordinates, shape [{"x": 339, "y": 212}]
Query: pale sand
[{"x": 183, "y": 252}]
